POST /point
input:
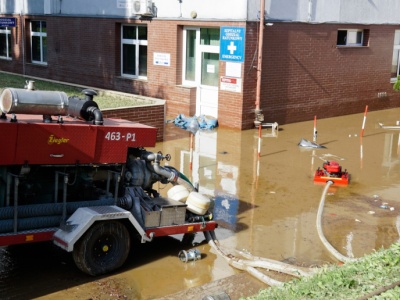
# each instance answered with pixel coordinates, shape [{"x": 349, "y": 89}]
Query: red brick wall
[
  {"x": 152, "y": 115},
  {"x": 306, "y": 74}
]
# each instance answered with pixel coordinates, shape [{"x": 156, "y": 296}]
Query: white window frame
[
  {"x": 396, "y": 48},
  {"x": 186, "y": 82},
  {"x": 136, "y": 42},
  {"x": 351, "y": 38},
  {"x": 7, "y": 32},
  {"x": 41, "y": 35},
  {"x": 200, "y": 48}
]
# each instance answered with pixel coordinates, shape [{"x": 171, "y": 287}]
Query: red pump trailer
[{"x": 70, "y": 176}]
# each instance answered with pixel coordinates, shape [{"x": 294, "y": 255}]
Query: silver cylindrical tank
[{"x": 33, "y": 102}]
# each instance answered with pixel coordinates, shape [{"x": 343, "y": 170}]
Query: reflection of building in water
[
  {"x": 225, "y": 209},
  {"x": 200, "y": 161},
  {"x": 211, "y": 176},
  {"x": 209, "y": 168},
  {"x": 226, "y": 201},
  {"x": 391, "y": 150},
  {"x": 195, "y": 274}
]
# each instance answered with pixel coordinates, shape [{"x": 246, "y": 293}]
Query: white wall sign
[
  {"x": 231, "y": 84},
  {"x": 162, "y": 59},
  {"x": 233, "y": 69}
]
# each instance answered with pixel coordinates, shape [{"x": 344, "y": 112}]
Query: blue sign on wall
[
  {"x": 8, "y": 22},
  {"x": 232, "y": 42}
]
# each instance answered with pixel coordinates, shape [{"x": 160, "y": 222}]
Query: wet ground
[{"x": 266, "y": 202}]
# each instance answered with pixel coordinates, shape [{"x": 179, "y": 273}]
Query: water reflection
[{"x": 264, "y": 190}]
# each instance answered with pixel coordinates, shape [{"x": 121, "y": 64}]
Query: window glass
[
  {"x": 43, "y": 27},
  {"x": 38, "y": 41},
  {"x": 354, "y": 37},
  {"x": 359, "y": 38},
  {"x": 5, "y": 42},
  {"x": 350, "y": 37},
  {"x": 395, "y": 57},
  {"x": 36, "y": 48},
  {"x": 35, "y": 25},
  {"x": 210, "y": 69},
  {"x": 134, "y": 51},
  {"x": 142, "y": 33},
  {"x": 129, "y": 32},
  {"x": 129, "y": 60},
  {"x": 190, "y": 55},
  {"x": 44, "y": 48},
  {"x": 142, "y": 60},
  {"x": 209, "y": 36},
  {"x": 341, "y": 37}
]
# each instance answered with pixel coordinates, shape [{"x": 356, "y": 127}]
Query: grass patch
[
  {"x": 349, "y": 281},
  {"x": 104, "y": 99}
]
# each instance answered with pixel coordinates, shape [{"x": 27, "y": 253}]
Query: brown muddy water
[{"x": 266, "y": 204}]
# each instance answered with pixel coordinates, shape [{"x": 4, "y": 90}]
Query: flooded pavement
[{"x": 265, "y": 202}]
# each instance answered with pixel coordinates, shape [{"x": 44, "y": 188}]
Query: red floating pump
[
  {"x": 332, "y": 167},
  {"x": 331, "y": 171}
]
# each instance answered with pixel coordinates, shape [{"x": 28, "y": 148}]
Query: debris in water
[
  {"x": 308, "y": 144},
  {"x": 192, "y": 254},
  {"x": 193, "y": 124}
]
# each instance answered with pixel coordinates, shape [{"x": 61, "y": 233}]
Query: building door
[{"x": 201, "y": 67}]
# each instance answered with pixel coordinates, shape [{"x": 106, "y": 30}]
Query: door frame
[{"x": 199, "y": 50}]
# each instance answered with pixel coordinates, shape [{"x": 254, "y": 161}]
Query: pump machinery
[{"x": 85, "y": 182}]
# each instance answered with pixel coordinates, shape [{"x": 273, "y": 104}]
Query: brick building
[{"x": 320, "y": 57}]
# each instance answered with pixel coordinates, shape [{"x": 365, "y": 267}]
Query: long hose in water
[
  {"x": 250, "y": 262},
  {"x": 322, "y": 237}
]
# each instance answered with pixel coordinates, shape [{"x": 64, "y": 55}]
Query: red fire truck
[{"x": 70, "y": 176}]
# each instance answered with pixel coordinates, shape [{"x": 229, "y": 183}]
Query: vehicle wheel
[{"x": 103, "y": 248}]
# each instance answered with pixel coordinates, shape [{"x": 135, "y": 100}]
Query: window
[
  {"x": 210, "y": 69},
  {"x": 205, "y": 41},
  {"x": 396, "y": 56},
  {"x": 39, "y": 42},
  {"x": 5, "y": 42},
  {"x": 190, "y": 55},
  {"x": 134, "y": 51},
  {"x": 352, "y": 37},
  {"x": 209, "y": 41},
  {"x": 209, "y": 36}
]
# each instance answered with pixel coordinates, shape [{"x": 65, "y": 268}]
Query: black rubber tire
[{"x": 103, "y": 248}]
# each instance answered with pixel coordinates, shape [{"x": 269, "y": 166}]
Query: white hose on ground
[
  {"x": 251, "y": 264},
  {"x": 328, "y": 246},
  {"x": 234, "y": 262},
  {"x": 275, "y": 265},
  {"x": 262, "y": 277}
]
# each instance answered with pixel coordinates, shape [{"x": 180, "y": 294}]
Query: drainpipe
[{"x": 259, "y": 116}]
